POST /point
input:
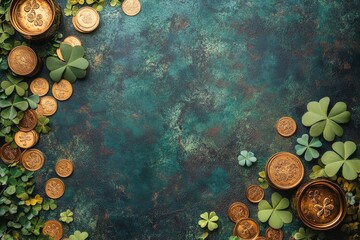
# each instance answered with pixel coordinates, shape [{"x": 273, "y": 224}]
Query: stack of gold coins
[
  {"x": 86, "y": 20},
  {"x": 23, "y": 61},
  {"x": 26, "y": 139}
]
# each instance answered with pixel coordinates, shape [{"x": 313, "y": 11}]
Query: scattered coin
[
  {"x": 9, "y": 154},
  {"x": 29, "y": 121},
  {"x": 274, "y": 234},
  {"x": 39, "y": 110},
  {"x": 284, "y": 170},
  {"x": 22, "y": 60},
  {"x": 62, "y": 90},
  {"x": 25, "y": 139},
  {"x": 54, "y": 229},
  {"x": 237, "y": 211},
  {"x": 64, "y": 168},
  {"x": 32, "y": 159},
  {"x": 246, "y": 229},
  {"x": 39, "y": 86},
  {"x": 131, "y": 7},
  {"x": 86, "y": 20},
  {"x": 49, "y": 105},
  {"x": 286, "y": 126},
  {"x": 54, "y": 188},
  {"x": 73, "y": 41},
  {"x": 59, "y": 54},
  {"x": 254, "y": 193}
]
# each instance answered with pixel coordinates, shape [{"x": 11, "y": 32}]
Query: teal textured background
[{"x": 175, "y": 93}]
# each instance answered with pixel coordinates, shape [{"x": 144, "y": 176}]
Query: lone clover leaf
[
  {"x": 338, "y": 158},
  {"x": 74, "y": 65},
  {"x": 66, "y": 216},
  {"x": 49, "y": 204},
  {"x": 42, "y": 125},
  {"x": 9, "y": 108},
  {"x": 275, "y": 214},
  {"x": 79, "y": 235},
  {"x": 246, "y": 158},
  {"x": 322, "y": 122},
  {"x": 304, "y": 146},
  {"x": 14, "y": 84},
  {"x": 209, "y": 220}
]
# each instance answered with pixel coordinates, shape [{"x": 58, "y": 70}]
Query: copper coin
[
  {"x": 29, "y": 121},
  {"x": 87, "y": 19},
  {"x": 64, "y": 168},
  {"x": 59, "y": 54},
  {"x": 22, "y": 60},
  {"x": 237, "y": 211},
  {"x": 131, "y": 7},
  {"x": 286, "y": 126},
  {"x": 25, "y": 139},
  {"x": 49, "y": 105},
  {"x": 62, "y": 90},
  {"x": 73, "y": 41},
  {"x": 284, "y": 170},
  {"x": 9, "y": 154},
  {"x": 54, "y": 229},
  {"x": 254, "y": 193},
  {"x": 274, "y": 234},
  {"x": 33, "y": 159},
  {"x": 246, "y": 229},
  {"x": 39, "y": 110},
  {"x": 39, "y": 86},
  {"x": 54, "y": 188},
  {"x": 73, "y": 20}
]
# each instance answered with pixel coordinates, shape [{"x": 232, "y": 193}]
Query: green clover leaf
[
  {"x": 9, "y": 108},
  {"x": 79, "y": 235},
  {"x": 322, "y": 122},
  {"x": 49, "y": 204},
  {"x": 209, "y": 220},
  {"x": 66, "y": 216},
  {"x": 14, "y": 84},
  {"x": 338, "y": 158},
  {"x": 246, "y": 158},
  {"x": 275, "y": 214},
  {"x": 304, "y": 146},
  {"x": 42, "y": 125}
]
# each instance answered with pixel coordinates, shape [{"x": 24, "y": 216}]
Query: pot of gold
[
  {"x": 320, "y": 204},
  {"x": 35, "y": 20}
]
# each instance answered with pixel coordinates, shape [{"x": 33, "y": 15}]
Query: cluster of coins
[{"x": 86, "y": 20}]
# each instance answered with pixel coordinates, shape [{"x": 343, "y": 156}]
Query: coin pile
[
  {"x": 86, "y": 20},
  {"x": 286, "y": 126},
  {"x": 27, "y": 137}
]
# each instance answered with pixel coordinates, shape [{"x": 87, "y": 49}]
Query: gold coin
[
  {"x": 73, "y": 41},
  {"x": 254, "y": 193},
  {"x": 39, "y": 110},
  {"x": 87, "y": 19},
  {"x": 237, "y": 211},
  {"x": 29, "y": 121},
  {"x": 286, "y": 126},
  {"x": 131, "y": 7},
  {"x": 54, "y": 229},
  {"x": 9, "y": 154},
  {"x": 274, "y": 234},
  {"x": 22, "y": 60},
  {"x": 284, "y": 170},
  {"x": 62, "y": 90},
  {"x": 59, "y": 54},
  {"x": 54, "y": 188},
  {"x": 39, "y": 86},
  {"x": 36, "y": 135},
  {"x": 73, "y": 20},
  {"x": 246, "y": 229},
  {"x": 64, "y": 168},
  {"x": 49, "y": 105},
  {"x": 24, "y": 139},
  {"x": 32, "y": 159}
]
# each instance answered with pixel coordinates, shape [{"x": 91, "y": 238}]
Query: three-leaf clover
[
  {"x": 246, "y": 158},
  {"x": 74, "y": 65},
  {"x": 66, "y": 216},
  {"x": 304, "y": 234},
  {"x": 14, "y": 84},
  {"x": 275, "y": 214},
  {"x": 49, "y": 204},
  {"x": 304, "y": 146},
  {"x": 42, "y": 125},
  {"x": 6, "y": 31},
  {"x": 79, "y": 235},
  {"x": 9, "y": 108},
  {"x": 338, "y": 158},
  {"x": 322, "y": 122},
  {"x": 209, "y": 220}
]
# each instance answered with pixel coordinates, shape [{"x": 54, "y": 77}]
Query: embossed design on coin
[
  {"x": 49, "y": 105},
  {"x": 22, "y": 60},
  {"x": 254, "y": 193},
  {"x": 274, "y": 234},
  {"x": 284, "y": 170},
  {"x": 286, "y": 126},
  {"x": 54, "y": 229},
  {"x": 131, "y": 7},
  {"x": 64, "y": 168},
  {"x": 72, "y": 40},
  {"x": 9, "y": 154},
  {"x": 246, "y": 228},
  {"x": 24, "y": 139},
  {"x": 54, "y": 188},
  {"x": 32, "y": 159},
  {"x": 62, "y": 90},
  {"x": 86, "y": 20},
  {"x": 39, "y": 86},
  {"x": 325, "y": 208},
  {"x": 29, "y": 121},
  {"x": 237, "y": 211}
]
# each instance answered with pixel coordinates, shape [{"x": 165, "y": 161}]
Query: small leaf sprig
[
  {"x": 308, "y": 148},
  {"x": 208, "y": 220},
  {"x": 72, "y": 6}
]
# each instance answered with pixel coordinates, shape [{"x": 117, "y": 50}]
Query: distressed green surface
[{"x": 176, "y": 92}]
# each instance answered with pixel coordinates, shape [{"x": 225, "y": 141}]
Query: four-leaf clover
[
  {"x": 304, "y": 146},
  {"x": 246, "y": 158},
  {"x": 209, "y": 220}
]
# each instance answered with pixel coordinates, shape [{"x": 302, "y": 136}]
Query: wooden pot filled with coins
[
  {"x": 320, "y": 204},
  {"x": 24, "y": 61},
  {"x": 35, "y": 20}
]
